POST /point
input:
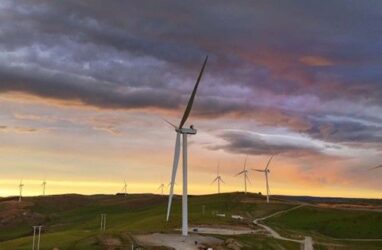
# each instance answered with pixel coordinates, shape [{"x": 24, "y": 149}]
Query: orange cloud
[{"x": 315, "y": 61}]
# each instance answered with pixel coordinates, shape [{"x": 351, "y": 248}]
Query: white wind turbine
[
  {"x": 43, "y": 187},
  {"x": 245, "y": 175},
  {"x": 180, "y": 130},
  {"x": 218, "y": 179},
  {"x": 266, "y": 172},
  {"x": 21, "y": 185},
  {"x": 124, "y": 188}
]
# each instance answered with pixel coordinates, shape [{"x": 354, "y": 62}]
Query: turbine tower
[
  {"x": 43, "y": 187},
  {"x": 266, "y": 171},
  {"x": 218, "y": 179},
  {"x": 180, "y": 130},
  {"x": 124, "y": 188},
  {"x": 21, "y": 185},
  {"x": 245, "y": 174}
]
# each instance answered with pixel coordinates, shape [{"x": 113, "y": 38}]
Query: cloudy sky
[{"x": 84, "y": 84}]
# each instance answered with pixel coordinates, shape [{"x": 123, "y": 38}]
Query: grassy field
[
  {"x": 73, "y": 221},
  {"x": 336, "y": 223},
  {"x": 252, "y": 242}
]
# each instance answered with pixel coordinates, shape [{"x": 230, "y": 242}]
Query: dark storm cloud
[
  {"x": 263, "y": 57},
  {"x": 246, "y": 142},
  {"x": 345, "y": 130},
  {"x": 82, "y": 89}
]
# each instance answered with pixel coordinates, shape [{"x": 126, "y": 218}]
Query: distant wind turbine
[
  {"x": 266, "y": 171},
  {"x": 21, "y": 185},
  {"x": 245, "y": 174},
  {"x": 218, "y": 179},
  {"x": 180, "y": 130},
  {"x": 161, "y": 187},
  {"x": 43, "y": 187},
  {"x": 124, "y": 188}
]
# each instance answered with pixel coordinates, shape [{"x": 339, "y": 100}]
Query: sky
[{"x": 84, "y": 86}]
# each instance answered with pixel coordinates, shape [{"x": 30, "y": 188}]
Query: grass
[
  {"x": 330, "y": 222},
  {"x": 73, "y": 221},
  {"x": 253, "y": 242}
]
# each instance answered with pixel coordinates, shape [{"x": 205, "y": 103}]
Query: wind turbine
[
  {"x": 180, "y": 130},
  {"x": 124, "y": 188},
  {"x": 21, "y": 185},
  {"x": 43, "y": 187},
  {"x": 266, "y": 172},
  {"x": 161, "y": 187},
  {"x": 218, "y": 179},
  {"x": 245, "y": 174}
]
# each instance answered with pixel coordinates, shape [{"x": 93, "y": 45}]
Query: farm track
[{"x": 307, "y": 242}]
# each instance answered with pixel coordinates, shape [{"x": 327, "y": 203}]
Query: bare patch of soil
[
  {"x": 13, "y": 213},
  {"x": 179, "y": 242}
]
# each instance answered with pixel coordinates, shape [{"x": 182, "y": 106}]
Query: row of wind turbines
[
  {"x": 21, "y": 187},
  {"x": 245, "y": 173},
  {"x": 182, "y": 133}
]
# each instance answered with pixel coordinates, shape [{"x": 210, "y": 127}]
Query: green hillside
[{"x": 73, "y": 221}]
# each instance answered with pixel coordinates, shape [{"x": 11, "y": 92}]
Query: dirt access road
[{"x": 307, "y": 243}]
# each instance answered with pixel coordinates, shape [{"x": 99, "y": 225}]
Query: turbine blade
[
  {"x": 173, "y": 176},
  {"x": 258, "y": 170},
  {"x": 245, "y": 162},
  {"x": 268, "y": 162},
  {"x": 191, "y": 101},
  {"x": 169, "y": 123},
  {"x": 380, "y": 166},
  {"x": 240, "y": 173},
  {"x": 214, "y": 180},
  {"x": 222, "y": 180}
]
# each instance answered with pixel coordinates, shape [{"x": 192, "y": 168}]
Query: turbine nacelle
[{"x": 189, "y": 131}]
